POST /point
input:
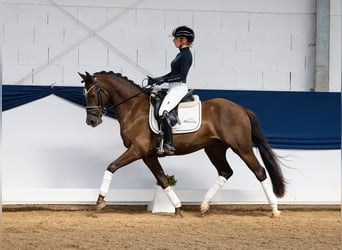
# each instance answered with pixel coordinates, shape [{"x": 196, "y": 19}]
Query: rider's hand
[
  {"x": 150, "y": 80},
  {"x": 157, "y": 80}
]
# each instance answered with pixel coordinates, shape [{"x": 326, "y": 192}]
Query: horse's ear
[{"x": 83, "y": 76}]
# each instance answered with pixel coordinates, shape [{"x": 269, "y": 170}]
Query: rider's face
[{"x": 179, "y": 41}]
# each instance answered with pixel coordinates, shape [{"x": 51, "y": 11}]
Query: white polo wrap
[
  {"x": 107, "y": 178},
  {"x": 272, "y": 199},
  {"x": 220, "y": 181},
  {"x": 172, "y": 197}
]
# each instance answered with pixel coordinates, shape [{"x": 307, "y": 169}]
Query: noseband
[{"x": 99, "y": 109}]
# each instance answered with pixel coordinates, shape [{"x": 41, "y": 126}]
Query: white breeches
[{"x": 175, "y": 94}]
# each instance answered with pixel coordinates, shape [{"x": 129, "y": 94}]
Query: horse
[{"x": 225, "y": 125}]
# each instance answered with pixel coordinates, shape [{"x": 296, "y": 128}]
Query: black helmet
[{"x": 184, "y": 31}]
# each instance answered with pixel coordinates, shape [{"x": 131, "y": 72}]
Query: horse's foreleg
[
  {"x": 126, "y": 158},
  {"x": 107, "y": 178},
  {"x": 158, "y": 172}
]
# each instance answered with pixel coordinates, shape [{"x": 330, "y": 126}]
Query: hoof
[
  {"x": 178, "y": 214},
  {"x": 275, "y": 214},
  {"x": 100, "y": 205},
  {"x": 204, "y": 208}
]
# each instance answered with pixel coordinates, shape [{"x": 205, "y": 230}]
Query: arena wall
[
  {"x": 51, "y": 156},
  {"x": 255, "y": 45}
]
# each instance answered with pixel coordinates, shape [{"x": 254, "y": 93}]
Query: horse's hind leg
[
  {"x": 248, "y": 156},
  {"x": 217, "y": 155}
]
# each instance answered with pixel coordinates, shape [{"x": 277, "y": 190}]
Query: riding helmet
[{"x": 184, "y": 31}]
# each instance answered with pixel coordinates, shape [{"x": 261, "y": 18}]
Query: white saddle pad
[{"x": 189, "y": 114}]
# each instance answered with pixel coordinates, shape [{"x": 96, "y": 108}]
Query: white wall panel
[
  {"x": 291, "y": 61},
  {"x": 249, "y": 79},
  {"x": 279, "y": 80},
  {"x": 9, "y": 14},
  {"x": 33, "y": 54},
  {"x": 58, "y": 56},
  {"x": 301, "y": 80},
  {"x": 128, "y": 20},
  {"x": 150, "y": 58},
  {"x": 150, "y": 21},
  {"x": 207, "y": 21},
  {"x": 209, "y": 59},
  {"x": 234, "y": 22},
  {"x": 61, "y": 18},
  {"x": 277, "y": 42},
  {"x": 117, "y": 61},
  {"x": 238, "y": 60},
  {"x": 114, "y": 36},
  {"x": 177, "y": 18},
  {"x": 45, "y": 35},
  {"x": 133, "y": 37},
  {"x": 12, "y": 73},
  {"x": 17, "y": 34},
  {"x": 264, "y": 60},
  {"x": 92, "y": 17},
  {"x": 249, "y": 41},
  {"x": 90, "y": 56},
  {"x": 73, "y": 35},
  {"x": 10, "y": 54},
  {"x": 51, "y": 74},
  {"x": 278, "y": 27},
  {"x": 32, "y": 15}
]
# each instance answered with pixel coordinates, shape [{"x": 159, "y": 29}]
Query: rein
[{"x": 129, "y": 98}]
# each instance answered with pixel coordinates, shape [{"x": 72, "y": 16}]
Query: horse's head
[{"x": 97, "y": 99}]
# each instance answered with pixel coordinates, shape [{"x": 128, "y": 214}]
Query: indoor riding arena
[{"x": 63, "y": 59}]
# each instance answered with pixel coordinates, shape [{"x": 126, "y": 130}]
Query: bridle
[{"x": 100, "y": 108}]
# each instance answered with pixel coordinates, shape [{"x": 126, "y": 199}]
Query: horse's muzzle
[{"x": 93, "y": 120}]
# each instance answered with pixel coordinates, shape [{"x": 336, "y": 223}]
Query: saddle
[
  {"x": 184, "y": 118},
  {"x": 156, "y": 99}
]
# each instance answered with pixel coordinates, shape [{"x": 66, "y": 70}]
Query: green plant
[{"x": 171, "y": 179}]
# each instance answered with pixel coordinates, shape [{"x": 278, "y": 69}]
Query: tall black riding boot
[
  {"x": 169, "y": 149},
  {"x": 166, "y": 146}
]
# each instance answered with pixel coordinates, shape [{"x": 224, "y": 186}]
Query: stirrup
[
  {"x": 160, "y": 148},
  {"x": 169, "y": 149}
]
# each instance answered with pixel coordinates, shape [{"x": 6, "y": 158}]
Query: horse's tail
[{"x": 269, "y": 158}]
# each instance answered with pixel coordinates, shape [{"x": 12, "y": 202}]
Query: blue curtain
[
  {"x": 290, "y": 120},
  {"x": 16, "y": 95}
]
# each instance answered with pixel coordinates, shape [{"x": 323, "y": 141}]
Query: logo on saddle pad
[{"x": 189, "y": 117}]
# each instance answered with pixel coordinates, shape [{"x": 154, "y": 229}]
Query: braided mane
[{"x": 119, "y": 75}]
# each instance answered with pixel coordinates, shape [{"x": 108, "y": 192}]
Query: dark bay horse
[{"x": 224, "y": 125}]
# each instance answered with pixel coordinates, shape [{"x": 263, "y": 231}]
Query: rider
[{"x": 183, "y": 39}]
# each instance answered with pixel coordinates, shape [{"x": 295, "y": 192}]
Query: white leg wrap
[
  {"x": 107, "y": 178},
  {"x": 220, "y": 181},
  {"x": 272, "y": 199},
  {"x": 172, "y": 197}
]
